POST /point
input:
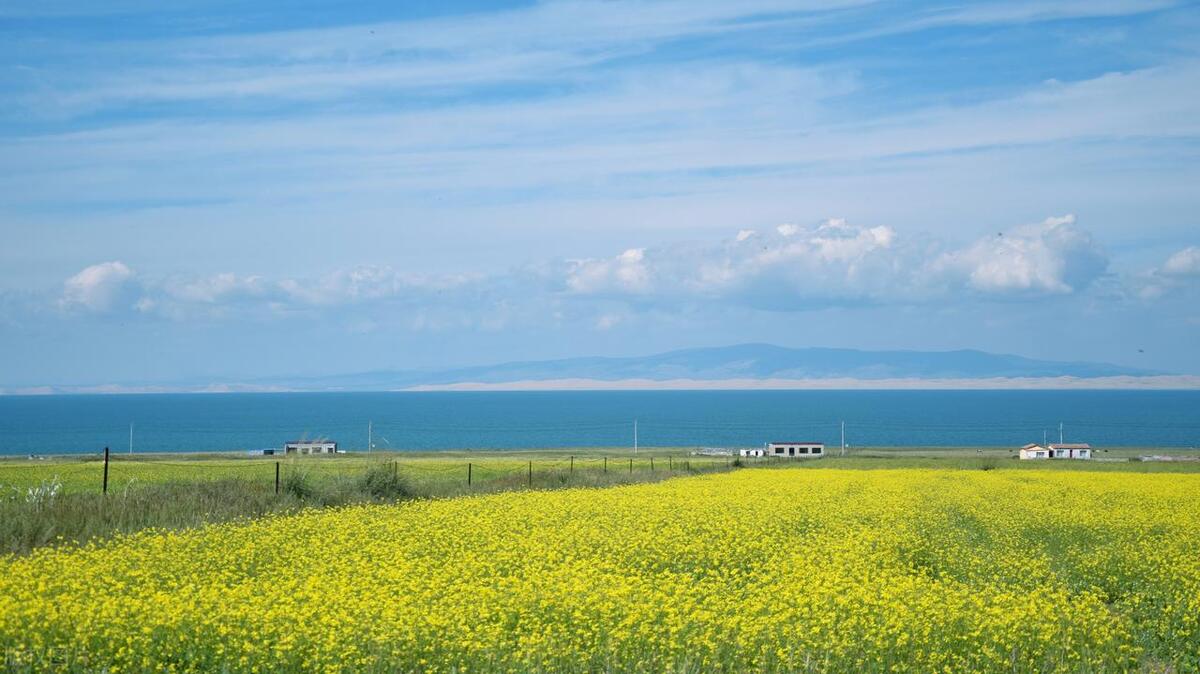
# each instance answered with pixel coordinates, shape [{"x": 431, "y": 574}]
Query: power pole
[{"x": 1060, "y": 433}]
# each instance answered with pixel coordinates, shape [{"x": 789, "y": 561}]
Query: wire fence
[{"x": 120, "y": 471}]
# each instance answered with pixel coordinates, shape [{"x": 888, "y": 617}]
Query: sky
[{"x": 234, "y": 189}]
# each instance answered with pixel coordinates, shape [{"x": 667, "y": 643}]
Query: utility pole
[
  {"x": 635, "y": 436},
  {"x": 1043, "y": 437},
  {"x": 843, "y": 438},
  {"x": 1060, "y": 433},
  {"x": 131, "y": 437}
]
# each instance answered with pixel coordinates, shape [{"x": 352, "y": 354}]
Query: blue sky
[{"x": 240, "y": 189}]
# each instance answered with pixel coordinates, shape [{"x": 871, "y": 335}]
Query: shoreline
[
  {"x": 1123, "y": 383},
  {"x": 871, "y": 452}
]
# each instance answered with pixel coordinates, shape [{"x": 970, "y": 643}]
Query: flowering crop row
[{"x": 759, "y": 570}]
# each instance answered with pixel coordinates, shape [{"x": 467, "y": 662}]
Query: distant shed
[
  {"x": 310, "y": 447},
  {"x": 796, "y": 450},
  {"x": 1034, "y": 451},
  {"x": 1075, "y": 450}
]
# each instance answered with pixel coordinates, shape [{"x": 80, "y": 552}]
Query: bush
[
  {"x": 295, "y": 483},
  {"x": 384, "y": 482}
]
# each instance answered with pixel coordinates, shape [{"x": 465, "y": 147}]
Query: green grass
[{"x": 59, "y": 500}]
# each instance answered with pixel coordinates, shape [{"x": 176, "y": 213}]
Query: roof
[
  {"x": 796, "y": 442},
  {"x": 310, "y": 442},
  {"x": 1033, "y": 445},
  {"x": 1069, "y": 445}
]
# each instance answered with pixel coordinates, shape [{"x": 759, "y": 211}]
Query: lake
[{"x": 498, "y": 420}]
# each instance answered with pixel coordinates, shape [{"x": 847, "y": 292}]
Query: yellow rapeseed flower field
[{"x": 918, "y": 570}]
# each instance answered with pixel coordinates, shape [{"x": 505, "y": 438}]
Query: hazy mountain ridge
[{"x": 743, "y": 361}]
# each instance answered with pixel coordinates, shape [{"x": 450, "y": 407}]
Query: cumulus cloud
[
  {"x": 101, "y": 288},
  {"x": 628, "y": 272},
  {"x": 1052, "y": 257},
  {"x": 1185, "y": 262},
  {"x": 218, "y": 289},
  {"x": 1179, "y": 272},
  {"x": 786, "y": 268}
]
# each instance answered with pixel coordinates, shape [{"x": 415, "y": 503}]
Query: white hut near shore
[
  {"x": 1077, "y": 450},
  {"x": 795, "y": 450},
  {"x": 310, "y": 447},
  {"x": 1057, "y": 451},
  {"x": 1034, "y": 451}
]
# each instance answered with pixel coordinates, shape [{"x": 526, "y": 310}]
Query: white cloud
[
  {"x": 1185, "y": 262},
  {"x": 100, "y": 288},
  {"x": 840, "y": 263},
  {"x": 1052, "y": 257},
  {"x": 218, "y": 289},
  {"x": 790, "y": 268},
  {"x": 1177, "y": 273},
  {"x": 625, "y": 273}
]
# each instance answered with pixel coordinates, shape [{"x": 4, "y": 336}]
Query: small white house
[
  {"x": 796, "y": 450},
  {"x": 1057, "y": 451},
  {"x": 1080, "y": 450},
  {"x": 1034, "y": 451},
  {"x": 310, "y": 447},
  {"x": 752, "y": 453}
]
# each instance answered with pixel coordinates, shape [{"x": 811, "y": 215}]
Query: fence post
[
  {"x": 572, "y": 466},
  {"x": 530, "y": 473},
  {"x": 671, "y": 464},
  {"x": 468, "y": 474},
  {"x": 652, "y": 464},
  {"x": 631, "y": 466},
  {"x": 104, "y": 487},
  {"x": 606, "y": 464},
  {"x": 276, "y": 478}
]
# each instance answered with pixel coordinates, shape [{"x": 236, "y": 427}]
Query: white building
[
  {"x": 1057, "y": 451},
  {"x": 1034, "y": 451},
  {"x": 796, "y": 450},
  {"x": 1071, "y": 451},
  {"x": 752, "y": 453},
  {"x": 310, "y": 447}
]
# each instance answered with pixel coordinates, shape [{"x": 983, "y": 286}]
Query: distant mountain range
[
  {"x": 740, "y": 362},
  {"x": 740, "y": 366}
]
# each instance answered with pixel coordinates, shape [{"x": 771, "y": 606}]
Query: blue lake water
[{"x": 445, "y": 420}]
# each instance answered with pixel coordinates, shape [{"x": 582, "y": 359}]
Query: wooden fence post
[
  {"x": 530, "y": 473},
  {"x": 606, "y": 464},
  {"x": 631, "y": 466},
  {"x": 104, "y": 487},
  {"x": 572, "y": 466},
  {"x": 468, "y": 474},
  {"x": 277, "y": 478}
]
